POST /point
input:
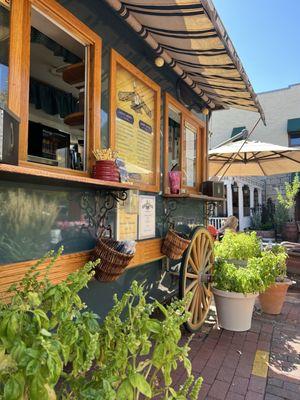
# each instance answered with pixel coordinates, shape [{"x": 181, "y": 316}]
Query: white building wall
[{"x": 278, "y": 105}]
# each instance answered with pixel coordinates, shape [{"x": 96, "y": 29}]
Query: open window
[
  {"x": 185, "y": 147},
  {"x": 4, "y": 53},
  {"x": 60, "y": 85}
]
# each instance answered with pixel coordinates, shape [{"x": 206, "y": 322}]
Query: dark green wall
[{"x": 35, "y": 218}]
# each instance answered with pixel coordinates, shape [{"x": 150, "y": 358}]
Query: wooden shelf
[
  {"x": 74, "y": 74},
  {"x": 194, "y": 196},
  {"x": 74, "y": 119},
  {"x": 37, "y": 175}
]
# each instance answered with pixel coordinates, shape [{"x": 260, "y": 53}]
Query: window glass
[
  {"x": 174, "y": 139},
  {"x": 189, "y": 148},
  {"x": 135, "y": 124},
  {"x": 57, "y": 96},
  {"x": 4, "y": 50},
  {"x": 295, "y": 140}
]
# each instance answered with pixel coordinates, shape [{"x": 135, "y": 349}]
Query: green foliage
[
  {"x": 52, "y": 347},
  {"x": 291, "y": 189},
  {"x": 286, "y": 203},
  {"x": 231, "y": 278},
  {"x": 281, "y": 216},
  {"x": 44, "y": 328},
  {"x": 256, "y": 220},
  {"x": 239, "y": 246},
  {"x": 263, "y": 268},
  {"x": 138, "y": 353},
  {"x": 257, "y": 276}
]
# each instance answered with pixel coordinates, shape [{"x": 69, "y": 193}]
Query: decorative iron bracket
[
  {"x": 170, "y": 206},
  {"x": 96, "y": 207}
]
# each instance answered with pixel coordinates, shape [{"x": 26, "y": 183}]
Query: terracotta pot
[
  {"x": 272, "y": 299},
  {"x": 266, "y": 234},
  {"x": 290, "y": 232}
]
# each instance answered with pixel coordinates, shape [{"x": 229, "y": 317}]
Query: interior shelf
[
  {"x": 42, "y": 176},
  {"x": 74, "y": 119},
  {"x": 74, "y": 74},
  {"x": 194, "y": 196}
]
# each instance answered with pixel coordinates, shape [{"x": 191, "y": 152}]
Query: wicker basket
[
  {"x": 174, "y": 245},
  {"x": 112, "y": 263}
]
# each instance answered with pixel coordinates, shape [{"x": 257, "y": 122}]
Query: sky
[{"x": 266, "y": 36}]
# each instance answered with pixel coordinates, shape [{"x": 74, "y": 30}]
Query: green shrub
[
  {"x": 231, "y": 278},
  {"x": 239, "y": 246},
  {"x": 259, "y": 273},
  {"x": 52, "y": 347}
]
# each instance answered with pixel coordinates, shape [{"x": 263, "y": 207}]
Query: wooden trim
[
  {"x": 55, "y": 177},
  {"x": 65, "y": 265},
  {"x": 146, "y": 251},
  {"x": 186, "y": 115},
  {"x": 19, "y": 70},
  {"x": 116, "y": 59}
]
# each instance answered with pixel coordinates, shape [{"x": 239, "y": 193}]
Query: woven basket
[
  {"x": 174, "y": 245},
  {"x": 112, "y": 263}
]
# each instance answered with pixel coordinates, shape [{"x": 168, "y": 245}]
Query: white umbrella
[{"x": 253, "y": 159}]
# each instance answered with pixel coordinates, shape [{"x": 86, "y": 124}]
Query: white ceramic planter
[{"x": 234, "y": 309}]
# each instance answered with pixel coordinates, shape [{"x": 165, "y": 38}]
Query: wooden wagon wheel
[{"x": 195, "y": 276}]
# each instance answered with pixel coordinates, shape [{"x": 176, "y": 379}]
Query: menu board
[
  {"x": 135, "y": 124},
  {"x": 127, "y": 217},
  {"x": 147, "y": 215}
]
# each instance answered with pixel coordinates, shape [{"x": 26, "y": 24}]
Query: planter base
[
  {"x": 234, "y": 309},
  {"x": 272, "y": 299}
]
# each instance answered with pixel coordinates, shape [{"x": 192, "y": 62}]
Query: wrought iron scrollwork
[
  {"x": 96, "y": 207},
  {"x": 170, "y": 206}
]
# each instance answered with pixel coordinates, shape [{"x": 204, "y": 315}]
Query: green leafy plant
[
  {"x": 52, "y": 347},
  {"x": 232, "y": 278},
  {"x": 286, "y": 201},
  {"x": 138, "y": 353},
  {"x": 256, "y": 219},
  {"x": 42, "y": 330},
  {"x": 239, "y": 246}
]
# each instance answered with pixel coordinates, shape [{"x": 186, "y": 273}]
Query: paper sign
[{"x": 146, "y": 217}]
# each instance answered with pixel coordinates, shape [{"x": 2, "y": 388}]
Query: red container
[
  {"x": 174, "y": 180},
  {"x": 106, "y": 170}
]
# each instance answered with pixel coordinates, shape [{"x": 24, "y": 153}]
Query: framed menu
[
  {"x": 147, "y": 214},
  {"x": 135, "y": 122},
  {"x": 127, "y": 217}
]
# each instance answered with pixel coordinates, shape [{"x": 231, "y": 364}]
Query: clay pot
[
  {"x": 266, "y": 234},
  {"x": 290, "y": 232},
  {"x": 272, "y": 299}
]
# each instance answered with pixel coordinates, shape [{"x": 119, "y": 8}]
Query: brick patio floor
[{"x": 263, "y": 363}]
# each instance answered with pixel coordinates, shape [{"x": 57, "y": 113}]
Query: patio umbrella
[{"x": 253, "y": 159}]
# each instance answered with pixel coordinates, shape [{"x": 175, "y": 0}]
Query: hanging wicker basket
[
  {"x": 112, "y": 262},
  {"x": 174, "y": 245}
]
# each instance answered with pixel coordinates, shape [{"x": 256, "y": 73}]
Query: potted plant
[
  {"x": 237, "y": 248},
  {"x": 273, "y": 272},
  {"x": 235, "y": 290},
  {"x": 284, "y": 220},
  {"x": 236, "y": 284},
  {"x": 262, "y": 220}
]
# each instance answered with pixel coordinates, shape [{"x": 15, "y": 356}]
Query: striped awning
[{"x": 190, "y": 37}]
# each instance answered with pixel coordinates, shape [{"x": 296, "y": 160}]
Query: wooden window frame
[
  {"x": 115, "y": 59},
  {"x": 201, "y": 146},
  {"x": 19, "y": 75}
]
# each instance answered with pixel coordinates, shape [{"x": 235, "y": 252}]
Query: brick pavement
[{"x": 262, "y": 364}]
